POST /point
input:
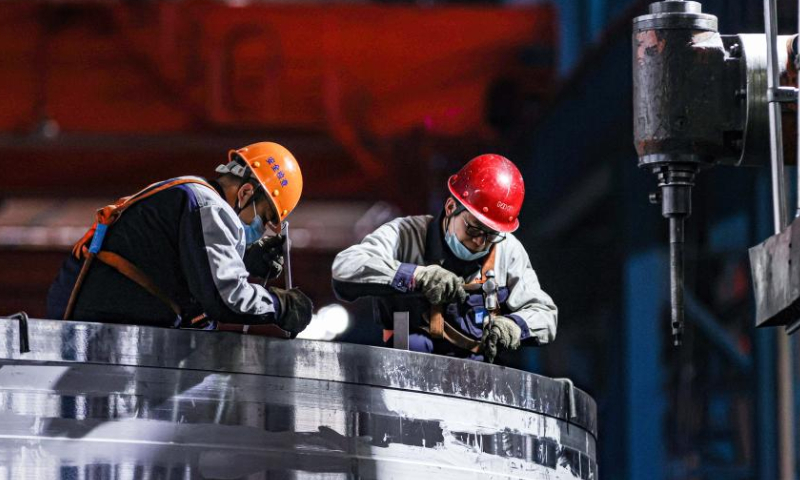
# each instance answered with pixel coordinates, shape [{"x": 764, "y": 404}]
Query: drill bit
[{"x": 676, "y": 245}]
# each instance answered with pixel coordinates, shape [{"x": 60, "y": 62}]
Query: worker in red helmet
[{"x": 440, "y": 268}]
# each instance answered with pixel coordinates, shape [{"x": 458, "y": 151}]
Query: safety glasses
[{"x": 474, "y": 231}]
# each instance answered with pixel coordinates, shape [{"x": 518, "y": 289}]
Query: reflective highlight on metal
[
  {"x": 102, "y": 401},
  {"x": 753, "y": 48}
]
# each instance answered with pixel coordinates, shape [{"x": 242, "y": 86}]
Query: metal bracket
[
  {"x": 24, "y": 343},
  {"x": 782, "y": 95},
  {"x": 573, "y": 409},
  {"x": 401, "y": 327}
]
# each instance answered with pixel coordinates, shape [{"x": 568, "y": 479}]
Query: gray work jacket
[{"x": 383, "y": 264}]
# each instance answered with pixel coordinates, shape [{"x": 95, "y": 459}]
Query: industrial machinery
[
  {"x": 103, "y": 401},
  {"x": 701, "y": 99}
]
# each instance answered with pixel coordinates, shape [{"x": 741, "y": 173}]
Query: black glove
[
  {"x": 296, "y": 308},
  {"x": 439, "y": 285},
  {"x": 502, "y": 332},
  {"x": 264, "y": 258}
]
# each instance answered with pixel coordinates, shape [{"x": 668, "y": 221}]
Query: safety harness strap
[
  {"x": 110, "y": 213},
  {"x": 94, "y": 237},
  {"x": 132, "y": 272},
  {"x": 436, "y": 322},
  {"x": 438, "y": 328},
  {"x": 454, "y": 336}
]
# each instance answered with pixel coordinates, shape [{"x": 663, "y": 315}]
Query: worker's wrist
[
  {"x": 403, "y": 280},
  {"x": 276, "y": 302},
  {"x": 523, "y": 326}
]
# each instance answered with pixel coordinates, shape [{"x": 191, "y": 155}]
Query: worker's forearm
[
  {"x": 538, "y": 326},
  {"x": 376, "y": 285}
]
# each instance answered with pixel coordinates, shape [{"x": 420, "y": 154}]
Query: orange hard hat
[{"x": 276, "y": 170}]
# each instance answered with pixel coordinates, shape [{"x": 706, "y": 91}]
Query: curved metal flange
[
  {"x": 209, "y": 403},
  {"x": 56, "y": 340},
  {"x": 670, "y": 21}
]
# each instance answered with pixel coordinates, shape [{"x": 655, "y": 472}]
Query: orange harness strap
[
  {"x": 454, "y": 336},
  {"x": 104, "y": 218},
  {"x": 110, "y": 213},
  {"x": 132, "y": 272}
]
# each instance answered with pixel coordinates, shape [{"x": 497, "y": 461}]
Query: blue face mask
[
  {"x": 255, "y": 229},
  {"x": 458, "y": 248}
]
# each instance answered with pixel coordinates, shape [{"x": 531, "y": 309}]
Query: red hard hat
[{"x": 491, "y": 188}]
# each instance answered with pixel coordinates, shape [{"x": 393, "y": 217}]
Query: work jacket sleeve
[
  {"x": 532, "y": 308},
  {"x": 374, "y": 267},
  {"x": 211, "y": 249}
]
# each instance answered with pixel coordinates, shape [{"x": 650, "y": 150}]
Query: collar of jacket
[{"x": 438, "y": 253}]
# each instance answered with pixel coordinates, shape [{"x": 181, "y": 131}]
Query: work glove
[
  {"x": 295, "y": 309},
  {"x": 502, "y": 332},
  {"x": 440, "y": 286},
  {"x": 264, "y": 258}
]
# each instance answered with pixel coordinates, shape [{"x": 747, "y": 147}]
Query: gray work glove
[
  {"x": 440, "y": 286},
  {"x": 296, "y": 308},
  {"x": 264, "y": 258},
  {"x": 502, "y": 332}
]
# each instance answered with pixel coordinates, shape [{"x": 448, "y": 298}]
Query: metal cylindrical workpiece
[{"x": 101, "y": 401}]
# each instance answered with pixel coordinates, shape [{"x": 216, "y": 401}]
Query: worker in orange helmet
[
  {"x": 180, "y": 252},
  {"x": 466, "y": 281}
]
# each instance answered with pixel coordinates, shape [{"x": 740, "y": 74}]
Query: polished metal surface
[
  {"x": 754, "y": 65},
  {"x": 672, "y": 14},
  {"x": 775, "y": 124},
  {"x": 102, "y": 401},
  {"x": 775, "y": 268},
  {"x": 401, "y": 330},
  {"x": 685, "y": 83}
]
